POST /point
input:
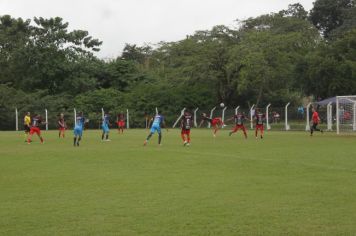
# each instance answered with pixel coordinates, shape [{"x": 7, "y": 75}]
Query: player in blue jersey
[
  {"x": 157, "y": 123},
  {"x": 78, "y": 129},
  {"x": 105, "y": 127}
]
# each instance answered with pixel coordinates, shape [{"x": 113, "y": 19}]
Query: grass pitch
[{"x": 285, "y": 184}]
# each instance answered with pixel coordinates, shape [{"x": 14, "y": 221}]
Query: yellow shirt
[{"x": 27, "y": 120}]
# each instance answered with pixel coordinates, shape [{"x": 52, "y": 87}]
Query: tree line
[{"x": 275, "y": 58}]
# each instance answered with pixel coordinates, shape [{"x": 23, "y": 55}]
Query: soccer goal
[{"x": 345, "y": 114}]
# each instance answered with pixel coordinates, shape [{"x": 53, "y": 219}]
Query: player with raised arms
[
  {"x": 78, "y": 128},
  {"x": 35, "y": 128},
  {"x": 239, "y": 119},
  {"x": 120, "y": 122},
  {"x": 105, "y": 127},
  {"x": 186, "y": 125},
  {"x": 157, "y": 123},
  {"x": 259, "y": 121},
  {"x": 61, "y": 125},
  {"x": 316, "y": 121},
  {"x": 215, "y": 122}
]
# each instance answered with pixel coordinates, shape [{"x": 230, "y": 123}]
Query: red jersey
[
  {"x": 259, "y": 118},
  {"x": 239, "y": 119},
  {"x": 121, "y": 117},
  {"x": 187, "y": 122},
  {"x": 36, "y": 122},
  {"x": 315, "y": 117},
  {"x": 61, "y": 123}
]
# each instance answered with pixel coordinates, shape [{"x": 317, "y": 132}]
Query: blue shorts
[
  {"x": 155, "y": 128},
  {"x": 78, "y": 131},
  {"x": 105, "y": 128}
]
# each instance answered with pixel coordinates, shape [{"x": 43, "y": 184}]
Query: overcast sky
[{"x": 117, "y": 22}]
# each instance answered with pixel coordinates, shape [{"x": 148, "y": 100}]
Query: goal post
[{"x": 346, "y": 114}]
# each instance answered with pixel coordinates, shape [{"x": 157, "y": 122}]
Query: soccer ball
[{"x": 222, "y": 105}]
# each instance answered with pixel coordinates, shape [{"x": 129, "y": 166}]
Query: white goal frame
[{"x": 352, "y": 100}]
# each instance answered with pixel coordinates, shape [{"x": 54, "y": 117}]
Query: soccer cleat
[
  {"x": 145, "y": 143},
  {"x": 108, "y": 140},
  {"x": 185, "y": 143},
  {"x": 188, "y": 144}
]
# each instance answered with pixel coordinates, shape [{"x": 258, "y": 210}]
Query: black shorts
[{"x": 27, "y": 128}]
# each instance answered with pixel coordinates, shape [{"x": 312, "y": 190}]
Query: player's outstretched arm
[{"x": 232, "y": 118}]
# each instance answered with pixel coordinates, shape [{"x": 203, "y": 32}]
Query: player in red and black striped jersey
[
  {"x": 259, "y": 120},
  {"x": 35, "y": 128},
  {"x": 239, "y": 119},
  {"x": 120, "y": 122},
  {"x": 215, "y": 122},
  {"x": 61, "y": 125},
  {"x": 186, "y": 124}
]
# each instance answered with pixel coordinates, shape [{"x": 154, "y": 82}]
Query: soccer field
[{"x": 285, "y": 184}]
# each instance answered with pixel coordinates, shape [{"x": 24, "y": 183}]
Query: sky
[{"x": 116, "y": 22}]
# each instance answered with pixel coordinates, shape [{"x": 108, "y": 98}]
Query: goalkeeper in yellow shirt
[{"x": 27, "y": 125}]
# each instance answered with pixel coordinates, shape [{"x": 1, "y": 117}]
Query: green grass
[{"x": 286, "y": 184}]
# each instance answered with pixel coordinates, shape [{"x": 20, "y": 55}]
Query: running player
[
  {"x": 186, "y": 125},
  {"x": 27, "y": 125},
  {"x": 61, "y": 125},
  {"x": 215, "y": 122},
  {"x": 239, "y": 119},
  {"x": 121, "y": 122},
  {"x": 259, "y": 120},
  {"x": 316, "y": 121},
  {"x": 78, "y": 128},
  {"x": 35, "y": 128},
  {"x": 105, "y": 127},
  {"x": 158, "y": 122}
]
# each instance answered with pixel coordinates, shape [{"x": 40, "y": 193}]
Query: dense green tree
[{"x": 328, "y": 15}]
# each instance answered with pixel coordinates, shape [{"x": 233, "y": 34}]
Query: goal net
[{"x": 345, "y": 114}]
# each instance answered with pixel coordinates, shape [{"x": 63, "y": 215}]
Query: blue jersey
[
  {"x": 106, "y": 119},
  {"x": 158, "y": 120},
  {"x": 80, "y": 122}
]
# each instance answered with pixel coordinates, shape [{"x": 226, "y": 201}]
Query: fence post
[
  {"x": 307, "y": 127},
  {"x": 211, "y": 116},
  {"x": 195, "y": 117},
  {"x": 329, "y": 111},
  {"x": 46, "y": 112},
  {"x": 127, "y": 119},
  {"x": 286, "y": 117},
  {"x": 354, "y": 118},
  {"x": 223, "y": 116},
  {"x": 181, "y": 114},
  {"x": 237, "y": 109},
  {"x": 17, "y": 119},
  {"x": 156, "y": 111},
  {"x": 267, "y": 117},
  {"x": 251, "y": 115},
  {"x": 75, "y": 117}
]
